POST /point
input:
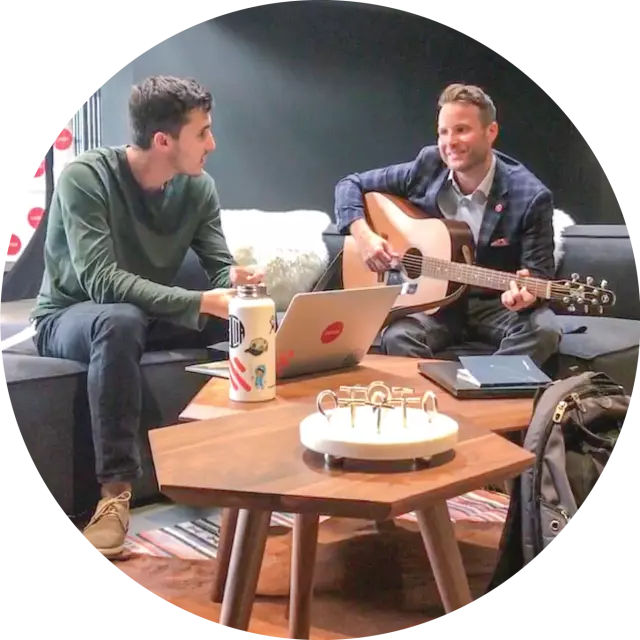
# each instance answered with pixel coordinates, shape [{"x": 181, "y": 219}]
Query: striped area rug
[{"x": 198, "y": 539}]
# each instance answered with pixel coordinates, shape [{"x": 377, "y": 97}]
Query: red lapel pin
[{"x": 498, "y": 208}]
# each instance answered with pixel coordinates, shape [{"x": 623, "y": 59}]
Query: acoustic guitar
[{"x": 437, "y": 254}]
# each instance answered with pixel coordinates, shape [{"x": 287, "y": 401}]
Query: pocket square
[{"x": 500, "y": 242}]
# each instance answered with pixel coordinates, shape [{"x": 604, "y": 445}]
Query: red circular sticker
[
  {"x": 40, "y": 170},
  {"x": 332, "y": 332},
  {"x": 14, "y": 245},
  {"x": 64, "y": 140},
  {"x": 34, "y": 216}
]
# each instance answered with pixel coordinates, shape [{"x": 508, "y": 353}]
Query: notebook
[
  {"x": 446, "y": 374},
  {"x": 501, "y": 371}
]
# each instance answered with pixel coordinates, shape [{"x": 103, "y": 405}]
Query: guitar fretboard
[{"x": 480, "y": 276}]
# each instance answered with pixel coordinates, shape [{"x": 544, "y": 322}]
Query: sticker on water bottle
[
  {"x": 236, "y": 377},
  {"x": 259, "y": 375},
  {"x": 236, "y": 332},
  {"x": 257, "y": 347}
]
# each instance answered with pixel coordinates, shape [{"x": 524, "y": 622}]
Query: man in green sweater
[{"x": 119, "y": 227}]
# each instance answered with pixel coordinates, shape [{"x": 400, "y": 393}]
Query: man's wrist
[
  {"x": 216, "y": 302},
  {"x": 359, "y": 229}
]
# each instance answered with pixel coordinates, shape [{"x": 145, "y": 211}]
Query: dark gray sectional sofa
[{"x": 49, "y": 395}]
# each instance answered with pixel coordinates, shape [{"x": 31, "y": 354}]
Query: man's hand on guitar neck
[
  {"x": 517, "y": 299},
  {"x": 375, "y": 251}
]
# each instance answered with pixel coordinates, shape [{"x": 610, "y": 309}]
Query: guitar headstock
[{"x": 574, "y": 294}]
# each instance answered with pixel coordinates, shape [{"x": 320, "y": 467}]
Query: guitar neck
[{"x": 483, "y": 277}]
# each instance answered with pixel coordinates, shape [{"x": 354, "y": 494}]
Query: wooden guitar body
[
  {"x": 410, "y": 232},
  {"x": 436, "y": 261}
]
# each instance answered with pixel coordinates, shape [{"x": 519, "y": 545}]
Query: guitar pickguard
[{"x": 394, "y": 277}]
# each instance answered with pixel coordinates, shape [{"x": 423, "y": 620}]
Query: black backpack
[{"x": 573, "y": 430}]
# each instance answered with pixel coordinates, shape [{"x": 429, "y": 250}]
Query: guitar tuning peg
[
  {"x": 600, "y": 309},
  {"x": 589, "y": 280},
  {"x": 604, "y": 284},
  {"x": 586, "y": 308},
  {"x": 574, "y": 277},
  {"x": 571, "y": 308}
]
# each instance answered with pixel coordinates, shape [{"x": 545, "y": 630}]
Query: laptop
[
  {"x": 324, "y": 330},
  {"x": 446, "y": 375}
]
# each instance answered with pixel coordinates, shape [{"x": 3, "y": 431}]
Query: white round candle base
[{"x": 425, "y": 434}]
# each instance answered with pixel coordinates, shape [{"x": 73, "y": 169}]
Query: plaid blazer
[{"x": 517, "y": 226}]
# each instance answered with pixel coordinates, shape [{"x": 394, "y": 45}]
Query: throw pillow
[{"x": 287, "y": 244}]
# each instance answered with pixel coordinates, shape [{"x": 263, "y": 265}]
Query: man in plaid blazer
[{"x": 509, "y": 212}]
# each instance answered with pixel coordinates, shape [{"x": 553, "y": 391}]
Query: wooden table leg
[
  {"x": 303, "y": 560},
  {"x": 244, "y": 568},
  {"x": 385, "y": 526},
  {"x": 442, "y": 548},
  {"x": 225, "y": 544}
]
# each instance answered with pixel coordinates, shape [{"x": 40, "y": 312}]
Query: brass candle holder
[{"x": 378, "y": 396}]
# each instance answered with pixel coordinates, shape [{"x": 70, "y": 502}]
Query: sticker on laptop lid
[
  {"x": 332, "y": 332},
  {"x": 283, "y": 360}
]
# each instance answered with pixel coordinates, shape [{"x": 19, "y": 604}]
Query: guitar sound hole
[{"x": 412, "y": 262}]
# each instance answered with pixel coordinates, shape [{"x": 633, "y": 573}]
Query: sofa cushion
[
  {"x": 601, "y": 336},
  {"x": 10, "y": 330},
  {"x": 25, "y": 365},
  {"x": 15, "y": 312},
  {"x": 49, "y": 400},
  {"x": 608, "y": 345},
  {"x": 14, "y": 318},
  {"x": 191, "y": 275},
  {"x": 21, "y": 367}
]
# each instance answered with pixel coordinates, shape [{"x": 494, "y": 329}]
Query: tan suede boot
[{"x": 108, "y": 527}]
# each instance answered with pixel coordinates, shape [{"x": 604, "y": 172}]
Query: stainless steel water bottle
[{"x": 252, "y": 345}]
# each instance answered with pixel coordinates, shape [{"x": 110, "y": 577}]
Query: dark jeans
[
  {"x": 534, "y": 332},
  {"x": 110, "y": 339}
]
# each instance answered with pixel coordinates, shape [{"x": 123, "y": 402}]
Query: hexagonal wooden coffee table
[{"x": 252, "y": 462}]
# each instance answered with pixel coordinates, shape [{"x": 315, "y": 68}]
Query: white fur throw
[
  {"x": 287, "y": 244},
  {"x": 561, "y": 221}
]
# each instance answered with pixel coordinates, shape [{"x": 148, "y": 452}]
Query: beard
[{"x": 187, "y": 166}]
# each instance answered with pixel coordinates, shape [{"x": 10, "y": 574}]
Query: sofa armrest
[
  {"x": 604, "y": 252},
  {"x": 332, "y": 277},
  {"x": 333, "y": 240}
]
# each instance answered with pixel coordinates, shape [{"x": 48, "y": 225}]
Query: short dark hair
[
  {"x": 470, "y": 94},
  {"x": 163, "y": 103}
]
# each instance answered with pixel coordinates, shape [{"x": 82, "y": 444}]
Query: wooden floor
[{"x": 367, "y": 582}]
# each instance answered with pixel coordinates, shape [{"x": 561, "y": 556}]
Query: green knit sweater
[{"x": 109, "y": 241}]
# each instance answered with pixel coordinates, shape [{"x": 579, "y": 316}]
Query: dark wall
[{"x": 308, "y": 92}]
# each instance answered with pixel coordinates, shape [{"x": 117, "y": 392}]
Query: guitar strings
[{"x": 485, "y": 276}]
